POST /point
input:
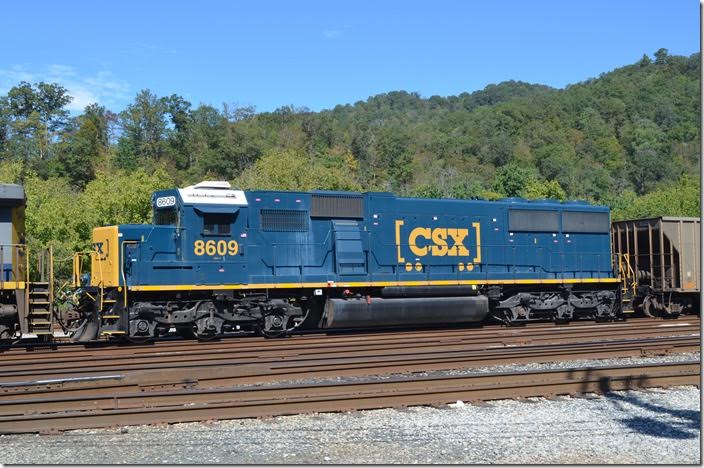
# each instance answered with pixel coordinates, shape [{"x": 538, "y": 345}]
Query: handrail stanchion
[
  {"x": 122, "y": 270},
  {"x": 2, "y": 262},
  {"x": 51, "y": 274}
]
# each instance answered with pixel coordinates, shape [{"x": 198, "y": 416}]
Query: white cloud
[
  {"x": 332, "y": 33},
  {"x": 61, "y": 70},
  {"x": 103, "y": 87}
]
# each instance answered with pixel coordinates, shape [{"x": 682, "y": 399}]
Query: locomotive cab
[
  {"x": 196, "y": 240},
  {"x": 207, "y": 223}
]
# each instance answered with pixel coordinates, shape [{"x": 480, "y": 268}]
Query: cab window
[
  {"x": 166, "y": 217},
  {"x": 217, "y": 224}
]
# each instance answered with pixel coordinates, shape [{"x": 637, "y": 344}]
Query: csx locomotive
[{"x": 221, "y": 261}]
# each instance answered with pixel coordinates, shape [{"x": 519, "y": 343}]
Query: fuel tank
[{"x": 375, "y": 311}]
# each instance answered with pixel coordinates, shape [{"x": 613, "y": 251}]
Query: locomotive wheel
[
  {"x": 6, "y": 335},
  {"x": 207, "y": 328},
  {"x": 563, "y": 314},
  {"x": 276, "y": 326},
  {"x": 648, "y": 307},
  {"x": 138, "y": 339}
]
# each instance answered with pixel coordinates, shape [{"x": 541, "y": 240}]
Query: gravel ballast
[
  {"x": 530, "y": 367},
  {"x": 656, "y": 426}
]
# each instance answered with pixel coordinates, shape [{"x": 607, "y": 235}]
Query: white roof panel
[{"x": 213, "y": 193}]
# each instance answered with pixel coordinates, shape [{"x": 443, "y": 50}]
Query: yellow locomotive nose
[{"x": 105, "y": 258}]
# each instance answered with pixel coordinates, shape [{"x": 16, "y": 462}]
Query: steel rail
[
  {"x": 12, "y": 370},
  {"x": 204, "y": 376},
  {"x": 37, "y": 350},
  {"x": 230, "y": 403},
  {"x": 57, "y": 361}
]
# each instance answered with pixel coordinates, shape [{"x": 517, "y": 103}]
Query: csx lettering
[{"x": 423, "y": 241}]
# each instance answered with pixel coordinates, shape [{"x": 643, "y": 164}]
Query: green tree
[
  {"x": 661, "y": 57},
  {"x": 219, "y": 147},
  {"x": 392, "y": 148},
  {"x": 122, "y": 197},
  {"x": 681, "y": 198},
  {"x": 80, "y": 151},
  {"x": 291, "y": 170},
  {"x": 143, "y": 126},
  {"x": 620, "y": 138},
  {"x": 54, "y": 216},
  {"x": 11, "y": 172},
  {"x": 179, "y": 136},
  {"x": 649, "y": 163},
  {"x": 536, "y": 189},
  {"x": 32, "y": 116},
  {"x": 511, "y": 180}
]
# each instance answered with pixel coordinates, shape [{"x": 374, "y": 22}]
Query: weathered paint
[{"x": 105, "y": 258}]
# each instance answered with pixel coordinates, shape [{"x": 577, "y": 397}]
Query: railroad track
[
  {"x": 362, "y": 361},
  {"x": 190, "y": 405},
  {"x": 43, "y": 386},
  {"x": 632, "y": 327},
  {"x": 427, "y": 347},
  {"x": 501, "y": 335}
]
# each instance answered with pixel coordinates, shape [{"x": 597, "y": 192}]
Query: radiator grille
[
  {"x": 284, "y": 220},
  {"x": 585, "y": 221},
  {"x": 533, "y": 221},
  {"x": 337, "y": 206}
]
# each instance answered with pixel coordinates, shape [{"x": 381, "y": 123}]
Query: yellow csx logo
[
  {"x": 439, "y": 242},
  {"x": 102, "y": 249}
]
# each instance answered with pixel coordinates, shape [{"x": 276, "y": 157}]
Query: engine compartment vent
[
  {"x": 284, "y": 220},
  {"x": 337, "y": 206}
]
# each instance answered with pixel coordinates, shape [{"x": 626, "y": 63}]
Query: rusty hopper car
[{"x": 659, "y": 259}]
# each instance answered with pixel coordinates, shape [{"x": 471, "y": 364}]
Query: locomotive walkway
[{"x": 74, "y": 386}]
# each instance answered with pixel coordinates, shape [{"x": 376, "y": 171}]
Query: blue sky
[{"x": 319, "y": 54}]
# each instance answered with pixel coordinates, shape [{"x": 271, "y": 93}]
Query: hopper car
[{"x": 659, "y": 262}]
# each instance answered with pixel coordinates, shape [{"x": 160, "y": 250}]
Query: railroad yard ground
[{"x": 651, "y": 426}]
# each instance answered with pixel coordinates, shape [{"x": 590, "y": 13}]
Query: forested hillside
[{"x": 629, "y": 138}]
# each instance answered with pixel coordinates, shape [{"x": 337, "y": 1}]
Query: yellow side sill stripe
[{"x": 344, "y": 284}]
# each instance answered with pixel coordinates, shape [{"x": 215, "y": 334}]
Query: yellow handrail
[
  {"x": 626, "y": 272},
  {"x": 77, "y": 266},
  {"x": 51, "y": 275},
  {"x": 101, "y": 282},
  {"x": 122, "y": 269}
]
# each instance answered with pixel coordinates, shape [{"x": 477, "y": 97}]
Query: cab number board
[{"x": 212, "y": 248}]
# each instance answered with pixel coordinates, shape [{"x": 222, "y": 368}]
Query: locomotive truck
[{"x": 218, "y": 261}]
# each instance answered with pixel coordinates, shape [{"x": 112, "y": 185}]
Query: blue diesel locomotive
[{"x": 219, "y": 261}]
